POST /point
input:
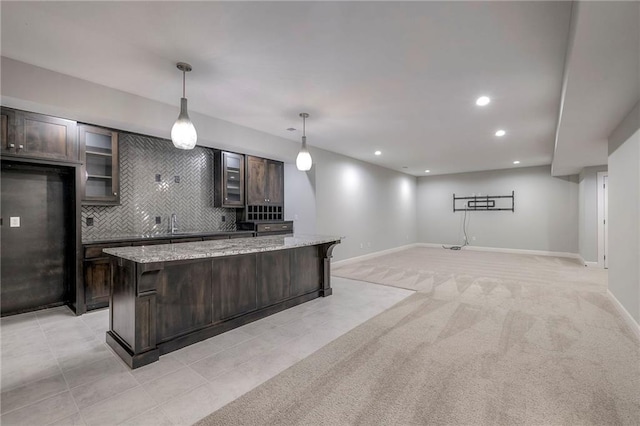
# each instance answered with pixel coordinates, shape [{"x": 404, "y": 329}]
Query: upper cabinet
[
  {"x": 229, "y": 179},
  {"x": 31, "y": 135},
  {"x": 265, "y": 189},
  {"x": 99, "y": 155},
  {"x": 265, "y": 182}
]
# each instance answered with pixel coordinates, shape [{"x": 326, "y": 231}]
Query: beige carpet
[{"x": 488, "y": 339}]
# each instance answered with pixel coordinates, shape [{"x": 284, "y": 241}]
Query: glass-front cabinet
[
  {"x": 99, "y": 152},
  {"x": 229, "y": 179}
]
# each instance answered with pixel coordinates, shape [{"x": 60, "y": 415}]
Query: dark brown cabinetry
[
  {"x": 97, "y": 275},
  {"x": 98, "y": 272},
  {"x": 279, "y": 227},
  {"x": 160, "y": 307},
  {"x": 235, "y": 280},
  {"x": 275, "y": 278},
  {"x": 229, "y": 179},
  {"x": 265, "y": 182},
  {"x": 32, "y": 135},
  {"x": 99, "y": 155}
]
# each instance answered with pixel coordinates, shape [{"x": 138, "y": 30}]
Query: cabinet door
[
  {"x": 275, "y": 277},
  {"x": 236, "y": 277},
  {"x": 99, "y": 154},
  {"x": 275, "y": 183},
  {"x": 256, "y": 179},
  {"x": 7, "y": 131},
  {"x": 97, "y": 279},
  {"x": 232, "y": 179},
  {"x": 41, "y": 136}
]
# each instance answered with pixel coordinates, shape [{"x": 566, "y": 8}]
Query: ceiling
[
  {"x": 399, "y": 77},
  {"x": 602, "y": 82}
]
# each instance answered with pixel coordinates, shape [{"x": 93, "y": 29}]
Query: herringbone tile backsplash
[{"x": 143, "y": 198}]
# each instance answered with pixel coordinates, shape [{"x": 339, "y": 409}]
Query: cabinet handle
[
  {"x": 284, "y": 226},
  {"x": 267, "y": 227},
  {"x": 115, "y": 193},
  {"x": 226, "y": 199},
  {"x": 12, "y": 145},
  {"x": 265, "y": 200}
]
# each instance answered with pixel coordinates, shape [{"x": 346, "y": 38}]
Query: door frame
[
  {"x": 76, "y": 286},
  {"x": 601, "y": 216}
]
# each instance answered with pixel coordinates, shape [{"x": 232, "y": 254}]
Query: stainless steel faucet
[{"x": 174, "y": 223}]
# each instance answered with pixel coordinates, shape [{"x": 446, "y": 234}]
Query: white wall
[
  {"x": 624, "y": 213},
  {"x": 369, "y": 205},
  {"x": 300, "y": 199},
  {"x": 588, "y": 213},
  {"x": 339, "y": 196},
  {"x": 545, "y": 217}
]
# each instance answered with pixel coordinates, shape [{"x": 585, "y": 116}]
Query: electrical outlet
[
  {"x": 473, "y": 238},
  {"x": 224, "y": 218},
  {"x": 176, "y": 179},
  {"x": 158, "y": 178},
  {"x": 158, "y": 220},
  {"x": 14, "y": 222},
  {"x": 361, "y": 245},
  {"x": 89, "y": 221}
]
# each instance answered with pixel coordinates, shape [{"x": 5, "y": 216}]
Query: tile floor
[{"x": 57, "y": 370}]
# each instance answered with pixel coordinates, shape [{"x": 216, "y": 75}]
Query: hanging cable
[{"x": 465, "y": 224}]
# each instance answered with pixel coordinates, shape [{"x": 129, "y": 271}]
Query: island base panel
[{"x": 133, "y": 361}]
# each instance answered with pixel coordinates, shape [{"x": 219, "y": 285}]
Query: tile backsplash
[{"x": 157, "y": 180}]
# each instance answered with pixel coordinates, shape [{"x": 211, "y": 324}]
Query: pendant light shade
[
  {"x": 183, "y": 133},
  {"x": 303, "y": 160}
]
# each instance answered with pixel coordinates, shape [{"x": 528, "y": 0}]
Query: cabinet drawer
[
  {"x": 94, "y": 251},
  {"x": 271, "y": 227}
]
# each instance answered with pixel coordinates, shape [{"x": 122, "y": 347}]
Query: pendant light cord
[
  {"x": 304, "y": 128},
  {"x": 183, "y": 83}
]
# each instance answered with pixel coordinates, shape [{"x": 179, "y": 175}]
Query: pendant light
[
  {"x": 183, "y": 134},
  {"x": 303, "y": 161}
]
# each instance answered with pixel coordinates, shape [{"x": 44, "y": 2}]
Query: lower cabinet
[{"x": 97, "y": 279}]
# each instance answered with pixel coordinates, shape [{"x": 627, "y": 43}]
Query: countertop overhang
[
  {"x": 161, "y": 236},
  {"x": 217, "y": 248}
]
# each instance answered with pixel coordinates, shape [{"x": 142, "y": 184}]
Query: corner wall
[
  {"x": 373, "y": 207},
  {"x": 545, "y": 217},
  {"x": 624, "y": 213}
]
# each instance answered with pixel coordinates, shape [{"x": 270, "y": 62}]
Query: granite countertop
[
  {"x": 217, "y": 248},
  {"x": 162, "y": 236}
]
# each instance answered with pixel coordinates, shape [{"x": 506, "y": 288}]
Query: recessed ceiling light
[
  {"x": 500, "y": 133},
  {"x": 291, "y": 129},
  {"x": 516, "y": 162},
  {"x": 483, "y": 100},
  {"x": 378, "y": 153},
  {"x": 427, "y": 171}
]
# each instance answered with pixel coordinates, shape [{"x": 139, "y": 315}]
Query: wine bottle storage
[{"x": 258, "y": 212}]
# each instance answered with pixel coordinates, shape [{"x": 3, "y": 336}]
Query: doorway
[
  {"x": 602, "y": 183},
  {"x": 37, "y": 236}
]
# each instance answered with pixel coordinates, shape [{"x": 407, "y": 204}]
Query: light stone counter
[{"x": 217, "y": 248}]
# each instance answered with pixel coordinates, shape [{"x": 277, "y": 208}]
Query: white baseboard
[
  {"x": 371, "y": 255},
  {"x": 514, "y": 251},
  {"x": 633, "y": 326}
]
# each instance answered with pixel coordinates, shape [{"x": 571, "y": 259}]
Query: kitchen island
[{"x": 165, "y": 297}]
